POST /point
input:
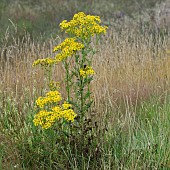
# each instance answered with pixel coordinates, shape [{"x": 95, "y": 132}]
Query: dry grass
[{"x": 129, "y": 66}]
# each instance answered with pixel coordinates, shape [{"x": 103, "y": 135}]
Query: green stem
[
  {"x": 48, "y": 74},
  {"x": 67, "y": 80},
  {"x": 81, "y": 97},
  {"x": 88, "y": 90}
]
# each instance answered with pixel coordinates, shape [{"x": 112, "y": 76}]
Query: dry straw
[{"x": 127, "y": 65}]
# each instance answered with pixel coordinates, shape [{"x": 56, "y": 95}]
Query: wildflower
[
  {"x": 57, "y": 109},
  {"x": 45, "y": 119},
  {"x": 41, "y": 101},
  {"x": 44, "y": 62},
  {"x": 58, "y": 112},
  {"x": 83, "y": 25},
  {"x": 66, "y": 105},
  {"x": 68, "y": 48},
  {"x": 51, "y": 97},
  {"x": 86, "y": 71},
  {"x": 69, "y": 114}
]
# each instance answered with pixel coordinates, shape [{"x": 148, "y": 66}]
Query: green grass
[{"x": 137, "y": 140}]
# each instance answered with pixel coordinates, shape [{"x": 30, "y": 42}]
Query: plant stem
[{"x": 67, "y": 80}]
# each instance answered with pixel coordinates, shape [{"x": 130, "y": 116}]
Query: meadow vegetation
[
  {"x": 43, "y": 17},
  {"x": 130, "y": 115}
]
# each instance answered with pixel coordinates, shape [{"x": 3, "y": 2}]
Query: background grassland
[
  {"x": 131, "y": 91},
  {"x": 42, "y": 17}
]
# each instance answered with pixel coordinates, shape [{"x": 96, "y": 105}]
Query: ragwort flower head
[
  {"x": 46, "y": 119},
  {"x": 69, "y": 114},
  {"x": 67, "y": 48},
  {"x": 45, "y": 62},
  {"x": 83, "y": 26},
  {"x": 51, "y": 97},
  {"x": 66, "y": 105},
  {"x": 86, "y": 71}
]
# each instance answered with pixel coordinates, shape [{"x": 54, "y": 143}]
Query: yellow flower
[
  {"x": 45, "y": 62},
  {"x": 66, "y": 105},
  {"x": 86, "y": 71},
  {"x": 83, "y": 25},
  {"x": 45, "y": 119},
  {"x": 67, "y": 48},
  {"x": 58, "y": 111},
  {"x": 51, "y": 97},
  {"x": 69, "y": 114}
]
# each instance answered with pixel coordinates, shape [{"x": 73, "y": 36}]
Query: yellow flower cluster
[
  {"x": 86, "y": 71},
  {"x": 44, "y": 62},
  {"x": 46, "y": 118},
  {"x": 65, "y": 112},
  {"x": 66, "y": 105},
  {"x": 68, "y": 48},
  {"x": 83, "y": 25},
  {"x": 69, "y": 115},
  {"x": 51, "y": 97}
]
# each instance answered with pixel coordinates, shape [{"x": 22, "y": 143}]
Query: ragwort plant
[{"x": 71, "y": 118}]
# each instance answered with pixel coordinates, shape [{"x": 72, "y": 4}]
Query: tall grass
[{"x": 131, "y": 94}]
